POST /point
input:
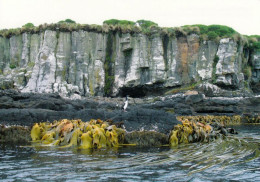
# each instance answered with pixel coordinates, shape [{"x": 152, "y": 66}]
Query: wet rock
[
  {"x": 232, "y": 131},
  {"x": 223, "y": 131},
  {"x": 149, "y": 113},
  {"x": 194, "y": 98},
  {"x": 15, "y": 134},
  {"x": 146, "y": 138},
  {"x": 27, "y": 108}
]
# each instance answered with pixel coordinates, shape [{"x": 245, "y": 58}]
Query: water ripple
[{"x": 235, "y": 158}]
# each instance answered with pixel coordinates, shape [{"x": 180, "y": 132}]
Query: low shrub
[
  {"x": 212, "y": 35},
  {"x": 146, "y": 23},
  {"x": 28, "y": 25},
  {"x": 213, "y": 32},
  {"x": 67, "y": 21},
  {"x": 118, "y": 22},
  {"x": 12, "y": 66}
]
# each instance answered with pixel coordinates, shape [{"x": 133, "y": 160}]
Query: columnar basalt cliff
[{"x": 88, "y": 63}]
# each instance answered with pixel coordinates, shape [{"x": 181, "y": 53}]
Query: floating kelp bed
[
  {"x": 235, "y": 158},
  {"x": 223, "y": 120},
  {"x": 201, "y": 129},
  {"x": 200, "y": 146},
  {"x": 86, "y": 135},
  {"x": 102, "y": 134},
  {"x": 106, "y": 134}
]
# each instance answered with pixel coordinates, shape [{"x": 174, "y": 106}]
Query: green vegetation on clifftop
[
  {"x": 210, "y": 32},
  {"x": 118, "y": 22},
  {"x": 67, "y": 21},
  {"x": 254, "y": 42}
]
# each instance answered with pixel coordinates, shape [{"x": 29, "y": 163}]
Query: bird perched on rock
[{"x": 124, "y": 106}]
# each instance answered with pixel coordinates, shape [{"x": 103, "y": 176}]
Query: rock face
[
  {"x": 82, "y": 63},
  {"x": 27, "y": 108},
  {"x": 256, "y": 72},
  {"x": 155, "y": 113}
]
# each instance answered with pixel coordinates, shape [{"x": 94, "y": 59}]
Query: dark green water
[{"x": 234, "y": 159}]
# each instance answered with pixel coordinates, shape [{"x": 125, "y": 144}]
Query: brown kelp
[
  {"x": 201, "y": 129},
  {"x": 223, "y": 120},
  {"x": 85, "y": 135}
]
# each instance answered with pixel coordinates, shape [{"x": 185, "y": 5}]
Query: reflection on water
[{"x": 236, "y": 158}]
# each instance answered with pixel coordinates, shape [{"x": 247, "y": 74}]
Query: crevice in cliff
[
  {"x": 29, "y": 48},
  {"x": 55, "y": 55},
  {"x": 165, "y": 41},
  {"x": 183, "y": 48},
  {"x": 84, "y": 85},
  {"x": 214, "y": 68},
  {"x": 69, "y": 61},
  {"x": 38, "y": 74},
  {"x": 127, "y": 60},
  {"x": 139, "y": 91},
  {"x": 171, "y": 56},
  {"x": 5, "y": 55},
  {"x": 109, "y": 65},
  {"x": 42, "y": 37},
  {"x": 145, "y": 75},
  {"x": 213, "y": 111},
  {"x": 9, "y": 60},
  {"x": 25, "y": 79}
]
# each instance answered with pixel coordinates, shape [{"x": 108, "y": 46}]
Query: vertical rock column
[
  {"x": 95, "y": 76},
  {"x": 204, "y": 66},
  {"x": 63, "y": 56},
  {"x": 4, "y": 54},
  {"x": 193, "y": 56},
  {"x": 157, "y": 63},
  {"x": 15, "y": 51},
  {"x": 86, "y": 66},
  {"x": 183, "y": 59},
  {"x": 124, "y": 70},
  {"x": 256, "y": 72},
  {"x": 43, "y": 75},
  {"x": 30, "y": 76},
  {"x": 227, "y": 69},
  {"x": 109, "y": 65},
  {"x": 172, "y": 76}
]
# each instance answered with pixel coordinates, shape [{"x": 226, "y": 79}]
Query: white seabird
[{"x": 125, "y": 104}]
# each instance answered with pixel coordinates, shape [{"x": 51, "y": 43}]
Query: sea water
[{"x": 235, "y": 158}]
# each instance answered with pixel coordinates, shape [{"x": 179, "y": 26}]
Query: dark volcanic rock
[
  {"x": 192, "y": 99},
  {"x": 146, "y": 138},
  {"x": 26, "y": 109},
  {"x": 15, "y": 134},
  {"x": 149, "y": 114}
]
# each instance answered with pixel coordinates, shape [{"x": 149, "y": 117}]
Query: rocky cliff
[{"x": 88, "y": 63}]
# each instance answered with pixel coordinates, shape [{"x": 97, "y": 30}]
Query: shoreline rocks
[
  {"x": 151, "y": 112},
  {"x": 144, "y": 115}
]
